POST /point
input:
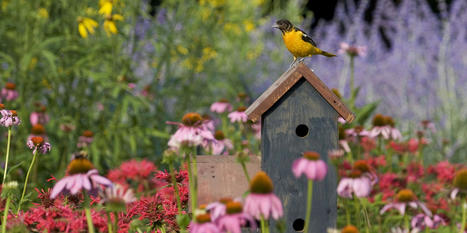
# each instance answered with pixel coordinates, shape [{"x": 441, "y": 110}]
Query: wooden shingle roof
[{"x": 285, "y": 82}]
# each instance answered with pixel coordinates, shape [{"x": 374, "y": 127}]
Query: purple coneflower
[
  {"x": 353, "y": 51},
  {"x": 115, "y": 198},
  {"x": 38, "y": 130},
  {"x": 343, "y": 140},
  {"x": 221, "y": 106},
  {"x": 40, "y": 116},
  {"x": 37, "y": 143},
  {"x": 239, "y": 115},
  {"x": 336, "y": 154},
  {"x": 217, "y": 209},
  {"x": 357, "y": 132},
  {"x": 81, "y": 174},
  {"x": 310, "y": 165},
  {"x": 203, "y": 224},
  {"x": 460, "y": 183},
  {"x": 384, "y": 126},
  {"x": 191, "y": 132},
  {"x": 85, "y": 139},
  {"x": 356, "y": 184},
  {"x": 221, "y": 144},
  {"x": 9, "y": 118},
  {"x": 421, "y": 221},
  {"x": 404, "y": 198},
  {"x": 262, "y": 202},
  {"x": 349, "y": 229},
  {"x": 9, "y": 92},
  {"x": 234, "y": 218}
]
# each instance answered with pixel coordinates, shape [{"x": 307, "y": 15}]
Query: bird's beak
[{"x": 275, "y": 25}]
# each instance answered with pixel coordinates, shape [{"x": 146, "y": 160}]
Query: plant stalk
[
  {"x": 5, "y": 214},
  {"x": 7, "y": 155},
  {"x": 309, "y": 200},
  {"x": 26, "y": 180}
]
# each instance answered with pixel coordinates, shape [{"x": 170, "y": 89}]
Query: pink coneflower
[
  {"x": 262, "y": 202},
  {"x": 355, "y": 184},
  {"x": 115, "y": 198},
  {"x": 421, "y": 221},
  {"x": 343, "y": 140},
  {"x": 191, "y": 132},
  {"x": 428, "y": 125},
  {"x": 221, "y": 144},
  {"x": 356, "y": 133},
  {"x": 39, "y": 116},
  {"x": 217, "y": 209},
  {"x": 81, "y": 175},
  {"x": 38, "y": 144},
  {"x": 221, "y": 106},
  {"x": 38, "y": 130},
  {"x": 404, "y": 198},
  {"x": 460, "y": 183},
  {"x": 239, "y": 115},
  {"x": 9, "y": 92},
  {"x": 203, "y": 224},
  {"x": 349, "y": 229},
  {"x": 234, "y": 218},
  {"x": 353, "y": 51},
  {"x": 257, "y": 129},
  {"x": 9, "y": 118},
  {"x": 310, "y": 165},
  {"x": 384, "y": 126},
  {"x": 85, "y": 139},
  {"x": 208, "y": 123},
  {"x": 336, "y": 154}
]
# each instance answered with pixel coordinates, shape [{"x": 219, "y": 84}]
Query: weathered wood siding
[{"x": 280, "y": 146}]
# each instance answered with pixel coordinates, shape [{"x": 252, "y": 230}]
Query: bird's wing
[{"x": 306, "y": 37}]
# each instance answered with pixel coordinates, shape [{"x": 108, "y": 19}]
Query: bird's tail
[{"x": 324, "y": 53}]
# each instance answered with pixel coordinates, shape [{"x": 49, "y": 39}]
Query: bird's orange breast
[{"x": 298, "y": 47}]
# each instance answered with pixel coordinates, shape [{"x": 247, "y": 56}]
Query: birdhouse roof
[{"x": 287, "y": 81}]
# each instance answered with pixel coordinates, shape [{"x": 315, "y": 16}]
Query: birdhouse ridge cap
[{"x": 285, "y": 82}]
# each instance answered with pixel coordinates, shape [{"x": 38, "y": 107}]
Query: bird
[{"x": 298, "y": 42}]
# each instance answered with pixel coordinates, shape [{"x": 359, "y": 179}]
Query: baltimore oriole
[{"x": 298, "y": 42}]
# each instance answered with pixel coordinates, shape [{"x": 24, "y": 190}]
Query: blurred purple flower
[
  {"x": 9, "y": 118},
  {"x": 9, "y": 92}
]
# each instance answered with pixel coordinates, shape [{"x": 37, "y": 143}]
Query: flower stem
[
  {"x": 26, "y": 180},
  {"x": 109, "y": 222},
  {"x": 357, "y": 209},
  {"x": 190, "y": 182},
  {"x": 5, "y": 214},
  {"x": 308, "y": 205},
  {"x": 116, "y": 221},
  {"x": 406, "y": 222},
  {"x": 7, "y": 154},
  {"x": 174, "y": 184},
  {"x": 347, "y": 213},
  {"x": 464, "y": 216},
  {"x": 264, "y": 226},
  {"x": 242, "y": 162},
  {"x": 195, "y": 179},
  {"x": 87, "y": 211}
]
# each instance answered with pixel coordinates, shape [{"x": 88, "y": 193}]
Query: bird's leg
[{"x": 293, "y": 63}]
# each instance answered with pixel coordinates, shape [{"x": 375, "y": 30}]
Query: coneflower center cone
[
  {"x": 79, "y": 165},
  {"x": 405, "y": 195},
  {"x": 349, "y": 229},
  {"x": 261, "y": 184},
  {"x": 191, "y": 119},
  {"x": 460, "y": 180},
  {"x": 311, "y": 155},
  {"x": 203, "y": 218},
  {"x": 234, "y": 207}
]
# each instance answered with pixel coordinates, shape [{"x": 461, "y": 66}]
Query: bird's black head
[{"x": 284, "y": 25}]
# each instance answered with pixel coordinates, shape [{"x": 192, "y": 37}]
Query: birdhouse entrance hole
[
  {"x": 301, "y": 130},
  {"x": 298, "y": 225}
]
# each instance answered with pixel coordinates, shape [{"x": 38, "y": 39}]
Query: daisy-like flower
[
  {"x": 356, "y": 184},
  {"x": 105, "y": 7},
  {"x": 217, "y": 209},
  {"x": 404, "y": 198},
  {"x": 115, "y": 198},
  {"x": 356, "y": 133},
  {"x": 343, "y": 140},
  {"x": 239, "y": 115},
  {"x": 366, "y": 170},
  {"x": 422, "y": 221},
  {"x": 234, "y": 218},
  {"x": 9, "y": 92},
  {"x": 203, "y": 224},
  {"x": 37, "y": 143},
  {"x": 190, "y": 132},
  {"x": 262, "y": 202},
  {"x": 86, "y": 25},
  {"x": 310, "y": 165},
  {"x": 352, "y": 51},
  {"x": 109, "y": 23},
  {"x": 336, "y": 154},
  {"x": 38, "y": 130},
  {"x": 221, "y": 106},
  {"x": 221, "y": 143},
  {"x": 9, "y": 118},
  {"x": 81, "y": 174},
  {"x": 85, "y": 139},
  {"x": 460, "y": 183},
  {"x": 40, "y": 116}
]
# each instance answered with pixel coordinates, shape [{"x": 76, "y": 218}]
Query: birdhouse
[{"x": 299, "y": 113}]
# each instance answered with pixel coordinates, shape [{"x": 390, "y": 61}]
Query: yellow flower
[
  {"x": 248, "y": 25},
  {"x": 109, "y": 23},
  {"x": 86, "y": 25},
  {"x": 105, "y": 7},
  {"x": 182, "y": 50},
  {"x": 32, "y": 63},
  {"x": 43, "y": 13}
]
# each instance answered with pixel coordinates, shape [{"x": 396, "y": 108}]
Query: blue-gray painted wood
[{"x": 280, "y": 146}]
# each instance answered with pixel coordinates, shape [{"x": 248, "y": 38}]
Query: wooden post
[{"x": 299, "y": 113}]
